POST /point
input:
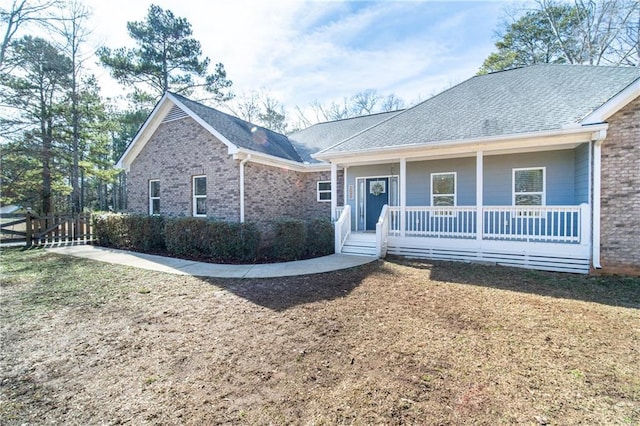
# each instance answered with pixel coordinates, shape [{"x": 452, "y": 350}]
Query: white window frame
[
  {"x": 196, "y": 197},
  {"x": 543, "y": 193},
  {"x": 152, "y": 199},
  {"x": 323, "y": 191},
  {"x": 455, "y": 189}
]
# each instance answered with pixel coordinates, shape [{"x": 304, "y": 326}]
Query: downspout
[
  {"x": 597, "y": 192},
  {"x": 242, "y": 187}
]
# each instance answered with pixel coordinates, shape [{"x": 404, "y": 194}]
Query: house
[{"x": 537, "y": 167}]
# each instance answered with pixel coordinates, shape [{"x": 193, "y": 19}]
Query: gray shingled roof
[
  {"x": 323, "y": 135},
  {"x": 242, "y": 133},
  {"x": 535, "y": 98}
]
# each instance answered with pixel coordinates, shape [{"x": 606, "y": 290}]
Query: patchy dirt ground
[{"x": 395, "y": 342}]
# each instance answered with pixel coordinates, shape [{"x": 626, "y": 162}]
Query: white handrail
[
  {"x": 342, "y": 228},
  {"x": 556, "y": 224},
  {"x": 382, "y": 232}
]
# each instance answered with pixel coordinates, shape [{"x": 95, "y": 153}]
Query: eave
[
  {"x": 614, "y": 104},
  {"x": 503, "y": 144},
  {"x": 273, "y": 161}
]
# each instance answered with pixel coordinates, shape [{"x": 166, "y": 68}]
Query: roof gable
[{"x": 241, "y": 133}]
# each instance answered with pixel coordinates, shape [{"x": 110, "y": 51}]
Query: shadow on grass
[
  {"x": 607, "y": 290},
  {"x": 280, "y": 294}
]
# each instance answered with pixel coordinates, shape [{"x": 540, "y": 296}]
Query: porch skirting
[{"x": 573, "y": 258}]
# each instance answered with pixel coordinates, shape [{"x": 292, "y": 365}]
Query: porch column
[
  {"x": 403, "y": 195},
  {"x": 479, "y": 195},
  {"x": 344, "y": 186},
  {"x": 334, "y": 190}
]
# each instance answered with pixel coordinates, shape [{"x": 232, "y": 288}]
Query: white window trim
[
  {"x": 153, "y": 198},
  {"x": 455, "y": 189},
  {"x": 544, "y": 185},
  {"x": 197, "y": 197},
  {"x": 323, "y": 191}
]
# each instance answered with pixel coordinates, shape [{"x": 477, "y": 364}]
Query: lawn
[{"x": 393, "y": 342}]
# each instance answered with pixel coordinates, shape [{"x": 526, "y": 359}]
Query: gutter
[
  {"x": 598, "y": 140},
  {"x": 242, "y": 163},
  {"x": 396, "y": 151}
]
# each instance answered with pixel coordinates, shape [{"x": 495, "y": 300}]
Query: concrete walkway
[{"x": 172, "y": 265}]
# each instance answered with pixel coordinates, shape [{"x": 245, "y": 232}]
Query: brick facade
[
  {"x": 176, "y": 152},
  {"x": 620, "y": 203},
  {"x": 181, "y": 149}
]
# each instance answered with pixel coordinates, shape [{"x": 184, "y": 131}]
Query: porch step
[{"x": 360, "y": 244}]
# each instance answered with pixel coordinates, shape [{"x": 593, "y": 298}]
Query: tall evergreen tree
[
  {"x": 36, "y": 92},
  {"x": 167, "y": 57}
]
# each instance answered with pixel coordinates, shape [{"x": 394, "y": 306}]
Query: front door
[{"x": 377, "y": 195}]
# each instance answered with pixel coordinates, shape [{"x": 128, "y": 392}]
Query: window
[
  {"x": 154, "y": 197},
  {"x": 199, "y": 195},
  {"x": 529, "y": 187},
  {"x": 443, "y": 189},
  {"x": 324, "y": 190}
]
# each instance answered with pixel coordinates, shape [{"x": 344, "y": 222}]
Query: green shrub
[
  {"x": 125, "y": 231},
  {"x": 110, "y": 230},
  {"x": 290, "y": 239},
  {"x": 146, "y": 233},
  {"x": 218, "y": 240},
  {"x": 234, "y": 241},
  {"x": 320, "y": 237},
  {"x": 185, "y": 236}
]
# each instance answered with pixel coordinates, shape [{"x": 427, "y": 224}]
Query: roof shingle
[{"x": 535, "y": 98}]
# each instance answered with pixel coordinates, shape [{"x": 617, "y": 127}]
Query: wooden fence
[{"x": 31, "y": 229}]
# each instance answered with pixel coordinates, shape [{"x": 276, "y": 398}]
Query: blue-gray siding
[
  {"x": 560, "y": 170},
  {"x": 567, "y": 177},
  {"x": 582, "y": 173}
]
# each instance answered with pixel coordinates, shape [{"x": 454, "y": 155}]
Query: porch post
[
  {"x": 344, "y": 185},
  {"x": 334, "y": 190},
  {"x": 479, "y": 195},
  {"x": 403, "y": 195}
]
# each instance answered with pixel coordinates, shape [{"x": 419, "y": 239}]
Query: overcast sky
[{"x": 301, "y": 51}]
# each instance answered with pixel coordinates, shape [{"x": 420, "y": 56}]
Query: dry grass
[{"x": 395, "y": 342}]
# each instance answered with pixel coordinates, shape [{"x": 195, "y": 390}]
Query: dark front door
[{"x": 377, "y": 195}]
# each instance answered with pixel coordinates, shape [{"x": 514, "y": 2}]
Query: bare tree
[
  {"x": 364, "y": 103},
  {"x": 20, "y": 13},
  {"x": 598, "y": 30},
  {"x": 259, "y": 107},
  {"x": 594, "y": 32},
  {"x": 392, "y": 103}
]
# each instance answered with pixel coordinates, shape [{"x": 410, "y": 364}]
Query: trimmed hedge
[
  {"x": 124, "y": 231},
  {"x": 213, "y": 239},
  {"x": 224, "y": 241},
  {"x": 290, "y": 239},
  {"x": 320, "y": 237}
]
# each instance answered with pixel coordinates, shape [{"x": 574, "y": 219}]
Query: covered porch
[{"x": 486, "y": 215}]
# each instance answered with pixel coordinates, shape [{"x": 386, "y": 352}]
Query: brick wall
[
  {"x": 176, "y": 152},
  {"x": 620, "y": 223},
  {"x": 273, "y": 192},
  {"x": 181, "y": 149}
]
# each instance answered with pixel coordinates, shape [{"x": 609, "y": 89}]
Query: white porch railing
[
  {"x": 342, "y": 227},
  {"x": 438, "y": 222},
  {"x": 556, "y": 224},
  {"x": 339, "y": 211},
  {"x": 382, "y": 231}
]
